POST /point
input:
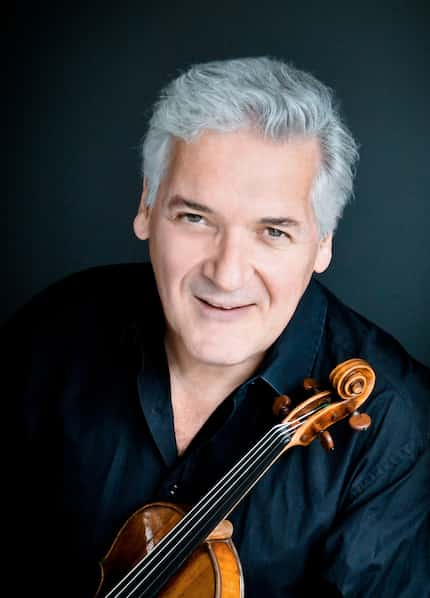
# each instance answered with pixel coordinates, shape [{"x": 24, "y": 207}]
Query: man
[{"x": 140, "y": 383}]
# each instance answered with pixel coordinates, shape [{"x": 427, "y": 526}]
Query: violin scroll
[
  {"x": 352, "y": 382},
  {"x": 353, "y": 378}
]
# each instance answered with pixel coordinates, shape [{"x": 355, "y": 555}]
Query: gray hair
[{"x": 265, "y": 94}]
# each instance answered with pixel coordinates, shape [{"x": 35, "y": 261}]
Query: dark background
[{"x": 81, "y": 78}]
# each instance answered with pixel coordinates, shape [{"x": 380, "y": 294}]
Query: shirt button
[{"x": 173, "y": 489}]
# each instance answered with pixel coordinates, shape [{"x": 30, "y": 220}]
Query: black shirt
[{"x": 87, "y": 379}]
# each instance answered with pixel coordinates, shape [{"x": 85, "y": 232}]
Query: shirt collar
[{"x": 292, "y": 357}]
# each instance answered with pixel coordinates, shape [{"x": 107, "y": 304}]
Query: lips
[{"x": 223, "y": 306}]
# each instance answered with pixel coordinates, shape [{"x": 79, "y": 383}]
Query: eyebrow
[
  {"x": 177, "y": 201},
  {"x": 280, "y": 221}
]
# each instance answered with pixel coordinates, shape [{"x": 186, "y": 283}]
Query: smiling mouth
[{"x": 224, "y": 307}]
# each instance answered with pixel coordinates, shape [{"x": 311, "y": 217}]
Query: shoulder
[
  {"x": 97, "y": 286},
  {"x": 392, "y": 457},
  {"x": 401, "y": 399},
  {"x": 98, "y": 300}
]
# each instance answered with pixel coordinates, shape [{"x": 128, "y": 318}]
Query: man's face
[{"x": 233, "y": 242}]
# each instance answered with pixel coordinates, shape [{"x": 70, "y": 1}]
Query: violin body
[{"x": 212, "y": 571}]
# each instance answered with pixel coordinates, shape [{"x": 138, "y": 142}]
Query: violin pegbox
[{"x": 351, "y": 381}]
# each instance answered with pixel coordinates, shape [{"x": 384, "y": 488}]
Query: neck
[
  {"x": 205, "y": 380},
  {"x": 197, "y": 389}
]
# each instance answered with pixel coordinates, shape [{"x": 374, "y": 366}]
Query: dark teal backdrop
[{"x": 81, "y": 80}]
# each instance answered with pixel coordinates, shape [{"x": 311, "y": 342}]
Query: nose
[{"x": 228, "y": 264}]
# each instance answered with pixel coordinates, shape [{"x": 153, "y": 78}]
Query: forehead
[
  {"x": 243, "y": 166},
  {"x": 234, "y": 152}
]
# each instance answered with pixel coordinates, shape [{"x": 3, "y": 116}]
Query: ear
[
  {"x": 324, "y": 254},
  {"x": 143, "y": 216}
]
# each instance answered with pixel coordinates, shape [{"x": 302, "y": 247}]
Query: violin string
[
  {"x": 181, "y": 531},
  {"x": 235, "y": 495},
  {"x": 172, "y": 535},
  {"x": 186, "y": 547},
  {"x": 146, "y": 561},
  {"x": 261, "y": 449},
  {"x": 181, "y": 549}
]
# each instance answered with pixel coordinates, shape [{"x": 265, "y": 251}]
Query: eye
[
  {"x": 191, "y": 217},
  {"x": 276, "y": 233}
]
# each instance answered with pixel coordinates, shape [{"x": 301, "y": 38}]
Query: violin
[{"x": 163, "y": 550}]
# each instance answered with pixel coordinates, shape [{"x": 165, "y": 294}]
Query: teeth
[
  {"x": 226, "y": 307},
  {"x": 220, "y": 306}
]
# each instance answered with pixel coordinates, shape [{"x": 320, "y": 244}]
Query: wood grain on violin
[
  {"x": 213, "y": 569},
  {"x": 161, "y": 550}
]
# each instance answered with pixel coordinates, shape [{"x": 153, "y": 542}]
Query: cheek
[
  {"x": 173, "y": 258},
  {"x": 287, "y": 278}
]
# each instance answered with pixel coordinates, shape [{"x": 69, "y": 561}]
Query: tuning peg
[
  {"x": 282, "y": 406},
  {"x": 311, "y": 385},
  {"x": 359, "y": 421},
  {"x": 326, "y": 440}
]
